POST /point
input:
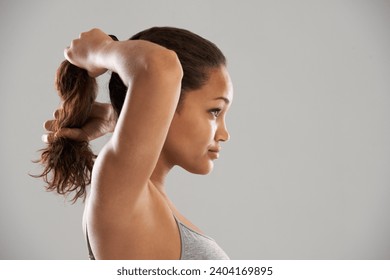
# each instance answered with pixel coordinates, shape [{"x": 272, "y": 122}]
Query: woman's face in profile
[{"x": 198, "y": 127}]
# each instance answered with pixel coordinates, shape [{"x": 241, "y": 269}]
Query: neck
[{"x": 160, "y": 173}]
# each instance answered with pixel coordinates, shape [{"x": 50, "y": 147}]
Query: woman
[{"x": 170, "y": 91}]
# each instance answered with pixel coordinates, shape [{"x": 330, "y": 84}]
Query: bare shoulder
[{"x": 146, "y": 230}]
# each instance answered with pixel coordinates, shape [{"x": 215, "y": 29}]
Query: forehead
[{"x": 219, "y": 85}]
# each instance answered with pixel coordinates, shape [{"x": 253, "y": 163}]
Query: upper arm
[
  {"x": 126, "y": 163},
  {"x": 121, "y": 205}
]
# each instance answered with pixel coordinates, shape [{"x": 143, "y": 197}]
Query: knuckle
[
  {"x": 46, "y": 125},
  {"x": 68, "y": 53},
  {"x": 57, "y": 113}
]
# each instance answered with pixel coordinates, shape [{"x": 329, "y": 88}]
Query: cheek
[
  {"x": 188, "y": 142},
  {"x": 191, "y": 136},
  {"x": 201, "y": 133}
]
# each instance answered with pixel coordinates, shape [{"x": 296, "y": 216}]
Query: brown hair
[
  {"x": 196, "y": 54},
  {"x": 68, "y": 163}
]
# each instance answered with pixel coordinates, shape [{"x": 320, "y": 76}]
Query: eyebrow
[{"x": 227, "y": 101}]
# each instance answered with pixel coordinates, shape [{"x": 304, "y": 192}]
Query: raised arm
[{"x": 153, "y": 76}]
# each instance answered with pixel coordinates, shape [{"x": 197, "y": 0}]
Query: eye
[{"x": 215, "y": 112}]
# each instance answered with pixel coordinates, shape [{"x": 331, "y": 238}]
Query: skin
[{"x": 128, "y": 213}]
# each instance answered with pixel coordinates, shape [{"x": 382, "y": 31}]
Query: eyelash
[{"x": 215, "y": 112}]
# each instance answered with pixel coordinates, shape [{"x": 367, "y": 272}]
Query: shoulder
[{"x": 148, "y": 231}]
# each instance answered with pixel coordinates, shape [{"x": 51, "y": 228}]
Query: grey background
[{"x": 306, "y": 173}]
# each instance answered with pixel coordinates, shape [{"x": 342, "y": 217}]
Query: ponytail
[{"x": 68, "y": 163}]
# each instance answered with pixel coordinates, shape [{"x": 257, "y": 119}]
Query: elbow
[
  {"x": 172, "y": 63},
  {"x": 166, "y": 63}
]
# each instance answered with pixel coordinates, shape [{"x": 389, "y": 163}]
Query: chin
[{"x": 200, "y": 169}]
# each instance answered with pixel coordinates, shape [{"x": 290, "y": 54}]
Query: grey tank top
[{"x": 194, "y": 245}]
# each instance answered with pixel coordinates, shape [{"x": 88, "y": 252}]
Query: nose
[{"x": 222, "y": 133}]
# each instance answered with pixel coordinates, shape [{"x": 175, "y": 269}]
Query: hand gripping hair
[{"x": 68, "y": 163}]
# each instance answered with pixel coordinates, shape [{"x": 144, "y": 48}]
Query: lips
[{"x": 214, "y": 152}]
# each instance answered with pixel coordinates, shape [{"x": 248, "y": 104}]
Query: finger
[
  {"x": 66, "y": 53},
  {"x": 84, "y": 34},
  {"x": 73, "y": 134},
  {"x": 76, "y": 134},
  {"x": 49, "y": 125},
  {"x": 101, "y": 110},
  {"x": 97, "y": 110},
  {"x": 44, "y": 138},
  {"x": 56, "y": 113},
  {"x": 48, "y": 138}
]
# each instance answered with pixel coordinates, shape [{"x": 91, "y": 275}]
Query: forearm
[
  {"x": 96, "y": 52},
  {"x": 133, "y": 58}
]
